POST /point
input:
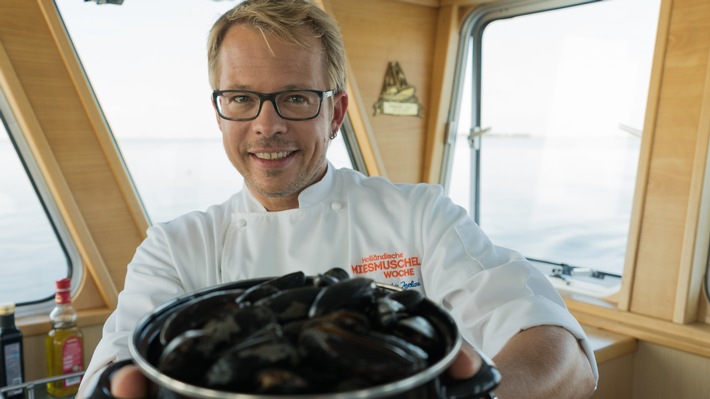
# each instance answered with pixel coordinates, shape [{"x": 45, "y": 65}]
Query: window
[
  {"x": 170, "y": 142},
  {"x": 34, "y": 249},
  {"x": 550, "y": 116}
]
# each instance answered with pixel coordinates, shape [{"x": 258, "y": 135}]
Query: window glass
[
  {"x": 562, "y": 106},
  {"x": 32, "y": 257},
  {"x": 147, "y": 63}
]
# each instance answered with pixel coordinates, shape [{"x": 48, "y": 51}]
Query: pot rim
[{"x": 377, "y": 391}]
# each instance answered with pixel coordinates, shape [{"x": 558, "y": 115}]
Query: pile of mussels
[{"x": 298, "y": 335}]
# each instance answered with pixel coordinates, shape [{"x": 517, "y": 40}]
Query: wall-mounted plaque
[{"x": 397, "y": 97}]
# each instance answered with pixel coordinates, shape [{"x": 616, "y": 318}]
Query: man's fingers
[
  {"x": 128, "y": 382},
  {"x": 466, "y": 364}
]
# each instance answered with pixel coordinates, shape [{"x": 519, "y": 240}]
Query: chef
[{"x": 278, "y": 73}]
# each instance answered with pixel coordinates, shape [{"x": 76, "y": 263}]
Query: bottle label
[
  {"x": 72, "y": 359},
  {"x": 62, "y": 297},
  {"x": 13, "y": 365}
]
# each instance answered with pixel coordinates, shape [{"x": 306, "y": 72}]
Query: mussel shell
[
  {"x": 234, "y": 325},
  {"x": 388, "y": 311},
  {"x": 194, "y": 313},
  {"x": 409, "y": 298},
  {"x": 366, "y": 356},
  {"x": 420, "y": 332},
  {"x": 272, "y": 286},
  {"x": 189, "y": 351},
  {"x": 280, "y": 381},
  {"x": 235, "y": 370},
  {"x": 330, "y": 277},
  {"x": 356, "y": 294},
  {"x": 290, "y": 305},
  {"x": 355, "y": 322}
]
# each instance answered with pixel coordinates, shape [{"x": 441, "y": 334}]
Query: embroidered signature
[{"x": 407, "y": 285}]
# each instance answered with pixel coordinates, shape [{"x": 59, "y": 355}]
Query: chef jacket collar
[{"x": 310, "y": 196}]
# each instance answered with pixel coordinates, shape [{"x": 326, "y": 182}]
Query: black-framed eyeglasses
[{"x": 245, "y": 105}]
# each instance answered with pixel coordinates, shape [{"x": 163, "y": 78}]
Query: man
[{"x": 278, "y": 71}]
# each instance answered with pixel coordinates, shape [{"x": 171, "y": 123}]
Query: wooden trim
[
  {"x": 445, "y": 3},
  {"x": 39, "y": 325},
  {"x": 51, "y": 171},
  {"x": 608, "y": 345},
  {"x": 692, "y": 338},
  {"x": 447, "y": 39},
  {"x": 426, "y": 3},
  {"x": 362, "y": 129},
  {"x": 694, "y": 253},
  {"x": 364, "y": 133},
  {"x": 668, "y": 195},
  {"x": 644, "y": 164},
  {"x": 94, "y": 114}
]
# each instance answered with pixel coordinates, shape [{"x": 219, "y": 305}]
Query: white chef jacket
[{"x": 407, "y": 235}]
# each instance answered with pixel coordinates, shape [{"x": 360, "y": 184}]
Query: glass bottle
[
  {"x": 64, "y": 343},
  {"x": 11, "y": 362}
]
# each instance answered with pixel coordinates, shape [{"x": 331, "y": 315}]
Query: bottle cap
[
  {"x": 64, "y": 284},
  {"x": 63, "y": 295},
  {"x": 7, "y": 308}
]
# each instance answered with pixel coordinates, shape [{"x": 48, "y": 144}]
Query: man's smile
[{"x": 272, "y": 155}]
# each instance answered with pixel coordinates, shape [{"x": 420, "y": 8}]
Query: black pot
[{"x": 145, "y": 348}]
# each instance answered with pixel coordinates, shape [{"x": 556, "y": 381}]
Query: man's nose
[{"x": 269, "y": 121}]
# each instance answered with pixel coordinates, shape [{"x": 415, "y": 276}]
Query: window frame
[
  {"x": 357, "y": 158},
  {"x": 75, "y": 266},
  {"x": 470, "y": 45},
  {"x": 469, "y": 61}
]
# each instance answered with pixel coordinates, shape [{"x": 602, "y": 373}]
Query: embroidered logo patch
[{"x": 388, "y": 265}]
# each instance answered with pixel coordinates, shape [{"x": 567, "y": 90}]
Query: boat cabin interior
[{"x": 574, "y": 131}]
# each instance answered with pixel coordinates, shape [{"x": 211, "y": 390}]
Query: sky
[{"x": 147, "y": 63}]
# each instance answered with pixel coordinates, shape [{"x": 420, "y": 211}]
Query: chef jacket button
[
  {"x": 242, "y": 223},
  {"x": 336, "y": 206}
]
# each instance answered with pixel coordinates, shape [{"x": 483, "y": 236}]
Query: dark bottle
[{"x": 11, "y": 363}]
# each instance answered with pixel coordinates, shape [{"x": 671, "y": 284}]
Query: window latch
[
  {"x": 476, "y": 132},
  {"x": 565, "y": 271}
]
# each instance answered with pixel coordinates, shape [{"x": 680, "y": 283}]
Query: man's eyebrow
[
  {"x": 237, "y": 87},
  {"x": 284, "y": 88}
]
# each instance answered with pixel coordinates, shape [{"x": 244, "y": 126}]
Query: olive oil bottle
[
  {"x": 64, "y": 343},
  {"x": 11, "y": 369}
]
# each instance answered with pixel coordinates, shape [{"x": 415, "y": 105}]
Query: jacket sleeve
[
  {"x": 151, "y": 280},
  {"x": 492, "y": 292}
]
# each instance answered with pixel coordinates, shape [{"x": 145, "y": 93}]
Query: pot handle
[
  {"x": 480, "y": 386},
  {"x": 102, "y": 389}
]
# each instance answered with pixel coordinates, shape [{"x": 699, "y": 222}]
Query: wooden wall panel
[
  {"x": 616, "y": 379},
  {"x": 373, "y": 39},
  {"x": 668, "y": 192},
  {"x": 661, "y": 373}
]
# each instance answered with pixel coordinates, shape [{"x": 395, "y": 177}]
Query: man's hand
[
  {"x": 466, "y": 364},
  {"x": 128, "y": 382}
]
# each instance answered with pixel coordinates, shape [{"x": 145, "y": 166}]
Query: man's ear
[{"x": 340, "y": 107}]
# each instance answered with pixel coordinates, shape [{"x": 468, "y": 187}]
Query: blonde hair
[{"x": 291, "y": 21}]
